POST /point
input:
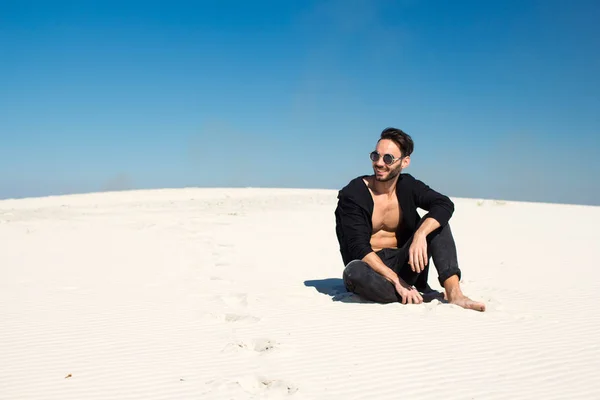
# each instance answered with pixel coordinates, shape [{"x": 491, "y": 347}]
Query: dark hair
[{"x": 401, "y": 138}]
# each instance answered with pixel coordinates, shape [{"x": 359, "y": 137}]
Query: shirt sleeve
[
  {"x": 439, "y": 206},
  {"x": 355, "y": 227}
]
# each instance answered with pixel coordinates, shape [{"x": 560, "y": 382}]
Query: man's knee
[{"x": 353, "y": 271}]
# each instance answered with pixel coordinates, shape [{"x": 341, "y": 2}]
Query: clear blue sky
[{"x": 502, "y": 98}]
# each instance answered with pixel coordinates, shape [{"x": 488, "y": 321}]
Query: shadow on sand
[{"x": 334, "y": 287}]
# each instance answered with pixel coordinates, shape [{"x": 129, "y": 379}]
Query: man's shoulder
[
  {"x": 407, "y": 182},
  {"x": 410, "y": 184},
  {"x": 355, "y": 193},
  {"x": 355, "y": 187},
  {"x": 406, "y": 179}
]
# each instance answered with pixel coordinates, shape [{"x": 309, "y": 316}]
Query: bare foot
[{"x": 465, "y": 302}]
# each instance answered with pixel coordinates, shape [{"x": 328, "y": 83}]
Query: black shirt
[{"x": 353, "y": 214}]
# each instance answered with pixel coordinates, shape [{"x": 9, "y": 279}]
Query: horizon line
[{"x": 266, "y": 188}]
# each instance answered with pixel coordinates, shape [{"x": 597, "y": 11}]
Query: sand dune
[{"x": 236, "y": 293}]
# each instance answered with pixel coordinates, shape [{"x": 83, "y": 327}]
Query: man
[{"x": 385, "y": 244}]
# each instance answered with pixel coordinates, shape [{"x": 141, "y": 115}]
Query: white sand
[{"x": 203, "y": 294}]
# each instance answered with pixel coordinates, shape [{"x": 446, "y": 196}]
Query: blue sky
[{"x": 501, "y": 98}]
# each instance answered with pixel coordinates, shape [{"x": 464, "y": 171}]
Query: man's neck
[{"x": 387, "y": 187}]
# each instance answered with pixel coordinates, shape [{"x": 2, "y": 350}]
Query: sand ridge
[{"x": 236, "y": 293}]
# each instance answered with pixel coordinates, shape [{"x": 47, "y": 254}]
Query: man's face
[{"x": 386, "y": 172}]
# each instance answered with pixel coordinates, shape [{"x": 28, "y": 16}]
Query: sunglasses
[{"x": 388, "y": 159}]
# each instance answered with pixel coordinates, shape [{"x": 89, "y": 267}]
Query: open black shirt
[{"x": 353, "y": 214}]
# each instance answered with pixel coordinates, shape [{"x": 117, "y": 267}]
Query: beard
[{"x": 391, "y": 174}]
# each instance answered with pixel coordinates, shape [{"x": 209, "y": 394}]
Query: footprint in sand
[
  {"x": 234, "y": 310},
  {"x": 261, "y": 345},
  {"x": 234, "y": 299},
  {"x": 261, "y": 385},
  {"x": 231, "y": 317},
  {"x": 255, "y": 385}
]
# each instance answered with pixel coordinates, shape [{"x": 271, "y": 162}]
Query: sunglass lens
[
  {"x": 388, "y": 159},
  {"x": 374, "y": 156}
]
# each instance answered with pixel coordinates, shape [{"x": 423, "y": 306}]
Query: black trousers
[{"x": 361, "y": 279}]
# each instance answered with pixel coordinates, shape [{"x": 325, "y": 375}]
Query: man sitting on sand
[{"x": 385, "y": 244}]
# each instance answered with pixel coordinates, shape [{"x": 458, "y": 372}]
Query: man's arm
[
  {"x": 439, "y": 206},
  {"x": 429, "y": 225},
  {"x": 408, "y": 293},
  {"x": 354, "y": 226},
  {"x": 374, "y": 261},
  {"x": 440, "y": 209}
]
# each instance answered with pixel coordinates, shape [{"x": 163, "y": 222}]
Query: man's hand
[
  {"x": 409, "y": 294},
  {"x": 417, "y": 253}
]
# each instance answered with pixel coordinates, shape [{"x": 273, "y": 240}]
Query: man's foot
[
  {"x": 465, "y": 302},
  {"x": 455, "y": 296}
]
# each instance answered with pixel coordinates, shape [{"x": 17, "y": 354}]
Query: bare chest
[{"x": 386, "y": 213}]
